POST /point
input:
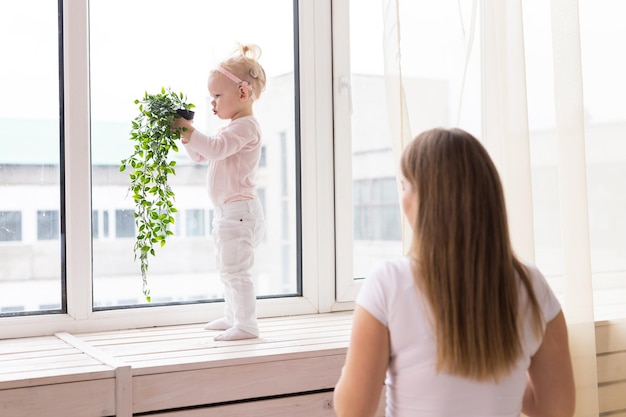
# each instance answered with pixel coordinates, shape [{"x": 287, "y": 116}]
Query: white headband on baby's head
[{"x": 236, "y": 79}]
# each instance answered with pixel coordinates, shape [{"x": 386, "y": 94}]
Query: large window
[
  {"x": 328, "y": 175},
  {"x": 444, "y": 60},
  {"x": 366, "y": 164},
  {"x": 67, "y": 225}
]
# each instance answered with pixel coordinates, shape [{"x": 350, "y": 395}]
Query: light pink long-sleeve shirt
[{"x": 233, "y": 156}]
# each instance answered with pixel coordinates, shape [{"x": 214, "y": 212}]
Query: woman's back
[{"x": 414, "y": 387}]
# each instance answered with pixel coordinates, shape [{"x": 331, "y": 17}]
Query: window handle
[{"x": 344, "y": 85}]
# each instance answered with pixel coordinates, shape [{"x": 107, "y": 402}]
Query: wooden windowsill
[
  {"x": 180, "y": 371},
  {"x": 170, "y": 368}
]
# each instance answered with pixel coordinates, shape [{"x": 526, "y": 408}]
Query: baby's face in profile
[{"x": 229, "y": 101}]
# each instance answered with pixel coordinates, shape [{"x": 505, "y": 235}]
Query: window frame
[
  {"x": 326, "y": 217},
  {"x": 317, "y": 215},
  {"x": 347, "y": 287}
]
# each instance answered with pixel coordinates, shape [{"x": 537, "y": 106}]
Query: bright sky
[
  {"x": 136, "y": 45},
  {"x": 176, "y": 44},
  {"x": 144, "y": 44}
]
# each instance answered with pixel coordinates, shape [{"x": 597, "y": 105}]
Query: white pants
[{"x": 238, "y": 228}]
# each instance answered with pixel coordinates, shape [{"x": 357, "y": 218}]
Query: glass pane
[
  {"x": 193, "y": 37},
  {"x": 30, "y": 244},
  {"x": 372, "y": 157},
  {"x": 435, "y": 36}
]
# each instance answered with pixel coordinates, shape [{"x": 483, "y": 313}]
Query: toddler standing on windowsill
[{"x": 233, "y": 156}]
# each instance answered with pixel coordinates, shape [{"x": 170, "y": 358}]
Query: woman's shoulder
[
  {"x": 535, "y": 275},
  {"x": 543, "y": 291},
  {"x": 393, "y": 270},
  {"x": 399, "y": 264},
  {"x": 384, "y": 286}
]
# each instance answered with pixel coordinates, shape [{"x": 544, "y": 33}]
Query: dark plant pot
[{"x": 185, "y": 114}]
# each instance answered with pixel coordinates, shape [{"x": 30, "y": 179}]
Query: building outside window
[
  {"x": 376, "y": 213},
  {"x": 195, "y": 222},
  {"x": 10, "y": 226},
  {"x": 47, "y": 224},
  {"x": 124, "y": 223}
]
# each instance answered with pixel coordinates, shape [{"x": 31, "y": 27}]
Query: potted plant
[{"x": 154, "y": 137}]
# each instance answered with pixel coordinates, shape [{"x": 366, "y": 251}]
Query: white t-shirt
[{"x": 414, "y": 389}]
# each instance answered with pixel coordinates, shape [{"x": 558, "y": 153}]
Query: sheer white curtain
[
  {"x": 573, "y": 200},
  {"x": 396, "y": 102},
  {"x": 505, "y": 132}
]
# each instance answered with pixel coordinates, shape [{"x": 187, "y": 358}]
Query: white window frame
[
  {"x": 347, "y": 287},
  {"x": 317, "y": 185}
]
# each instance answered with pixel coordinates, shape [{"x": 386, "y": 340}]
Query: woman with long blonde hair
[{"x": 460, "y": 326}]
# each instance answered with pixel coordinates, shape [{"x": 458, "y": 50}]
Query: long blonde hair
[{"x": 463, "y": 261}]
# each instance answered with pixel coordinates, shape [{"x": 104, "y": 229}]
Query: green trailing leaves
[{"x": 155, "y": 138}]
